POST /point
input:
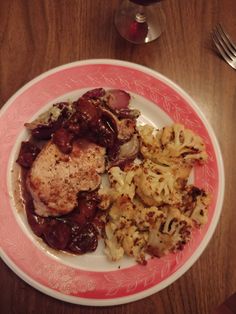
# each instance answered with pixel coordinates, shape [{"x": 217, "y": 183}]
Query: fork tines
[{"x": 225, "y": 45}]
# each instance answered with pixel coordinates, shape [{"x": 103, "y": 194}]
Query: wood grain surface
[{"x": 37, "y": 35}]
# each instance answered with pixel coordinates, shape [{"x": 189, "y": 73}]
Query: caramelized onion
[
  {"x": 58, "y": 235},
  {"x": 127, "y": 113},
  {"x": 125, "y": 128},
  {"x": 43, "y": 132},
  {"x": 64, "y": 140},
  {"x": 130, "y": 148},
  {"x": 127, "y": 152},
  {"x": 84, "y": 240},
  {"x": 105, "y": 134},
  {"x": 86, "y": 208},
  {"x": 94, "y": 93},
  {"x": 87, "y": 111},
  {"x": 28, "y": 153},
  {"x": 118, "y": 99}
]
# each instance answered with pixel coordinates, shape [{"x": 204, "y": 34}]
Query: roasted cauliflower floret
[
  {"x": 195, "y": 204},
  {"x": 171, "y": 232},
  {"x": 122, "y": 182},
  {"x": 179, "y": 171},
  {"x": 149, "y": 140},
  {"x": 181, "y": 142},
  {"x": 122, "y": 208},
  {"x": 146, "y": 217},
  {"x": 121, "y": 232},
  {"x": 113, "y": 248},
  {"x": 134, "y": 243},
  {"x": 154, "y": 188},
  {"x": 171, "y": 144}
]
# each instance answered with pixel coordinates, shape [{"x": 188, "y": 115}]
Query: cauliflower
[
  {"x": 151, "y": 208},
  {"x": 150, "y": 143},
  {"x": 122, "y": 234},
  {"x": 113, "y": 248},
  {"x": 172, "y": 144},
  {"x": 181, "y": 142},
  {"x": 156, "y": 188},
  {"x": 122, "y": 182},
  {"x": 170, "y": 233},
  {"x": 134, "y": 243},
  {"x": 195, "y": 204}
]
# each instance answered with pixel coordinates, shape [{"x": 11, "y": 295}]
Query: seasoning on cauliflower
[
  {"x": 121, "y": 183},
  {"x": 170, "y": 233},
  {"x": 122, "y": 232},
  {"x": 171, "y": 144},
  {"x": 155, "y": 188},
  {"x": 151, "y": 208},
  {"x": 195, "y": 204}
]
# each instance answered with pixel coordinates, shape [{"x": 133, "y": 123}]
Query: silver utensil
[{"x": 225, "y": 45}]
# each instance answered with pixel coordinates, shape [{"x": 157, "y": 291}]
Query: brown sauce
[{"x": 76, "y": 232}]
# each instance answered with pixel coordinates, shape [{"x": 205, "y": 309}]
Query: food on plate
[
  {"x": 147, "y": 205},
  {"x": 55, "y": 178},
  {"x": 152, "y": 210},
  {"x": 171, "y": 145},
  {"x": 69, "y": 148}
]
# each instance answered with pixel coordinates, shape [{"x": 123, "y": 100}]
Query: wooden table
[{"x": 38, "y": 35}]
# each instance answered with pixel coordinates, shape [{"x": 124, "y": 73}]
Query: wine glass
[{"x": 140, "y": 21}]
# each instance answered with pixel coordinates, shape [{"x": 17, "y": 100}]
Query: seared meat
[{"x": 56, "y": 178}]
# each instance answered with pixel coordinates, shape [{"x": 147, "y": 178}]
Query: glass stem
[{"x": 140, "y": 16}]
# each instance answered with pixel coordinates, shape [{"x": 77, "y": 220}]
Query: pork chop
[{"x": 55, "y": 178}]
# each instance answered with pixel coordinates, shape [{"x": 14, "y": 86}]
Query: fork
[{"x": 225, "y": 45}]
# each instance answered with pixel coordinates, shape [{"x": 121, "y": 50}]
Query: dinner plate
[{"x": 91, "y": 279}]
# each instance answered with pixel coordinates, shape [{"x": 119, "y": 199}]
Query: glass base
[{"x": 139, "y": 24}]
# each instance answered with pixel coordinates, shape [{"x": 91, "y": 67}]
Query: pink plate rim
[{"x": 159, "y": 273}]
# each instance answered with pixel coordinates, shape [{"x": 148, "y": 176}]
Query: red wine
[{"x": 145, "y": 2}]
